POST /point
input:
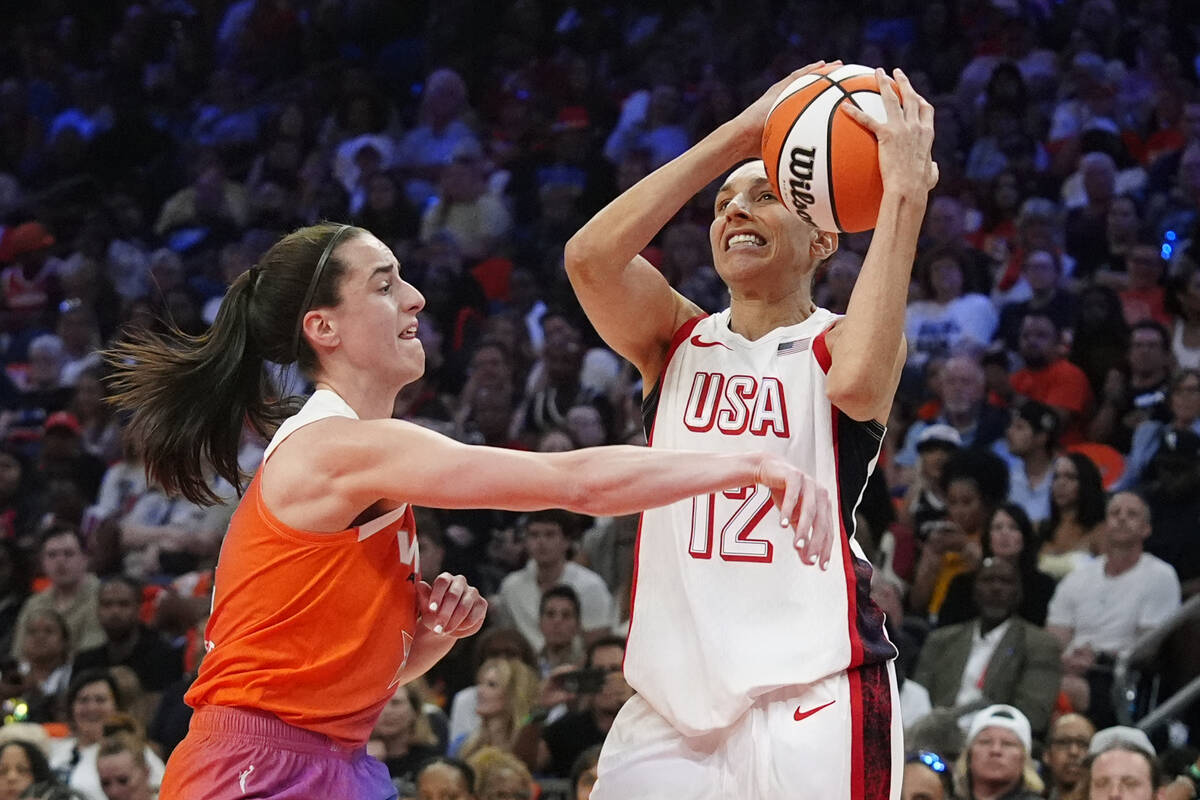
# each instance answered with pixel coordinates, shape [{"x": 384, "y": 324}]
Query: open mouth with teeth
[
  {"x": 743, "y": 241},
  {"x": 410, "y": 332}
]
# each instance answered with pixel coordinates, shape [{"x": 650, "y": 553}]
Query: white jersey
[{"x": 724, "y": 610}]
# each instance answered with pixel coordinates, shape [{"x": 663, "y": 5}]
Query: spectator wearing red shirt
[
  {"x": 1051, "y": 379},
  {"x": 1144, "y": 298}
]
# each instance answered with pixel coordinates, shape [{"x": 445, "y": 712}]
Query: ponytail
[{"x": 190, "y": 396}]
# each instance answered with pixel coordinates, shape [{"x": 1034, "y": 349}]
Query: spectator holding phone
[{"x": 552, "y": 749}]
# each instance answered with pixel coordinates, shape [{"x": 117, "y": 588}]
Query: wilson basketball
[{"x": 823, "y": 164}]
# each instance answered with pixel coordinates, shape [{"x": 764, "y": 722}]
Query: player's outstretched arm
[
  {"x": 869, "y": 342},
  {"x": 404, "y": 462},
  {"x": 627, "y": 300}
]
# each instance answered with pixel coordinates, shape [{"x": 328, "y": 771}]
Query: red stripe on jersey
[
  {"x": 681, "y": 335},
  {"x": 821, "y": 351},
  {"x": 858, "y": 782}
]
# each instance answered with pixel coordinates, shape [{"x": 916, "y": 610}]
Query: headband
[{"x": 312, "y": 286}]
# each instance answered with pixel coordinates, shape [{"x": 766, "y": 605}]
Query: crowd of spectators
[{"x": 151, "y": 151}]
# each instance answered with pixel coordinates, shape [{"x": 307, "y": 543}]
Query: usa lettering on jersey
[{"x": 736, "y": 404}]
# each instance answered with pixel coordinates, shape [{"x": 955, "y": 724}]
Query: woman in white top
[{"x": 92, "y": 698}]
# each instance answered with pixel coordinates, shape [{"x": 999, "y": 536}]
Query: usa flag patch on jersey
[{"x": 792, "y": 347}]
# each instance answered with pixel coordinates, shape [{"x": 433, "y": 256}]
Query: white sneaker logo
[{"x": 245, "y": 774}]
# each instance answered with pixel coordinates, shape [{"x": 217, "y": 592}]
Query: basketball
[{"x": 823, "y": 164}]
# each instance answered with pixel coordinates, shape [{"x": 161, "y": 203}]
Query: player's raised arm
[
  {"x": 628, "y": 301},
  {"x": 869, "y": 342}
]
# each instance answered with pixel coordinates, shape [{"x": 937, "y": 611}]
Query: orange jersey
[{"x": 313, "y": 628}]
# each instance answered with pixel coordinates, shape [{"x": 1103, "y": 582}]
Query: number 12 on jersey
[{"x": 736, "y": 543}]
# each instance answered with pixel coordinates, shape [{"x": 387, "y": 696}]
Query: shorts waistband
[{"x": 261, "y": 725}]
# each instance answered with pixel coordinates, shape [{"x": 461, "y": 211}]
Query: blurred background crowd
[{"x": 1035, "y": 518}]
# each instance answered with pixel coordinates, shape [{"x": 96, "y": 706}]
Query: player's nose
[{"x": 737, "y": 206}]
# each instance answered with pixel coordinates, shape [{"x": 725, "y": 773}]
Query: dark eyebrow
[
  {"x": 386, "y": 270},
  {"x": 753, "y": 184}
]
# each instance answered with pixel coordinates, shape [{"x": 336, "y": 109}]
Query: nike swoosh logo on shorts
[
  {"x": 696, "y": 340},
  {"x": 806, "y": 714}
]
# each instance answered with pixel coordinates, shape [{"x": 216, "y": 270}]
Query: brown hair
[{"x": 190, "y": 396}]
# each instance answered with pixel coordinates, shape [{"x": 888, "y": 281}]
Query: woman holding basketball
[
  {"x": 319, "y": 609},
  {"x": 758, "y": 674}
]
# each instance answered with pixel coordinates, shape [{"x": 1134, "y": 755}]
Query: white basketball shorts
[{"x": 839, "y": 739}]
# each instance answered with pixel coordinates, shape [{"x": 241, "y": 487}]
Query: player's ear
[
  {"x": 823, "y": 245},
  {"x": 321, "y": 328}
]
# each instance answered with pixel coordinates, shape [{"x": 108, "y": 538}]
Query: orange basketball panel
[
  {"x": 780, "y": 122},
  {"x": 855, "y": 186}
]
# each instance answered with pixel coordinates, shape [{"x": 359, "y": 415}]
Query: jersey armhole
[
  {"x": 650, "y": 401},
  {"x": 820, "y": 349}
]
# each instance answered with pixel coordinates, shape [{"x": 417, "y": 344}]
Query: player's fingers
[
  {"x": 808, "y": 510},
  {"x": 888, "y": 95},
  {"x": 438, "y": 591},
  {"x": 791, "y": 496},
  {"x": 813, "y": 67},
  {"x": 910, "y": 101},
  {"x": 453, "y": 593},
  {"x": 862, "y": 118},
  {"x": 424, "y": 590},
  {"x": 936, "y": 174},
  {"x": 466, "y": 604},
  {"x": 807, "y": 68},
  {"x": 474, "y": 620},
  {"x": 927, "y": 111},
  {"x": 800, "y": 542}
]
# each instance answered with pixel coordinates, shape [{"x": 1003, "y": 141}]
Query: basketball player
[
  {"x": 758, "y": 675},
  {"x": 319, "y": 608}
]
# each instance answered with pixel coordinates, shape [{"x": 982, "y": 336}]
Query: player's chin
[
  {"x": 411, "y": 366},
  {"x": 735, "y": 264}
]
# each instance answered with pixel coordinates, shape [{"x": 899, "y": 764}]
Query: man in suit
[{"x": 997, "y": 658}]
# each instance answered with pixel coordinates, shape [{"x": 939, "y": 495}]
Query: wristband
[{"x": 1193, "y": 772}]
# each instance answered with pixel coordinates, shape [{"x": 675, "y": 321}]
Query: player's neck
[
  {"x": 366, "y": 399},
  {"x": 754, "y": 316}
]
